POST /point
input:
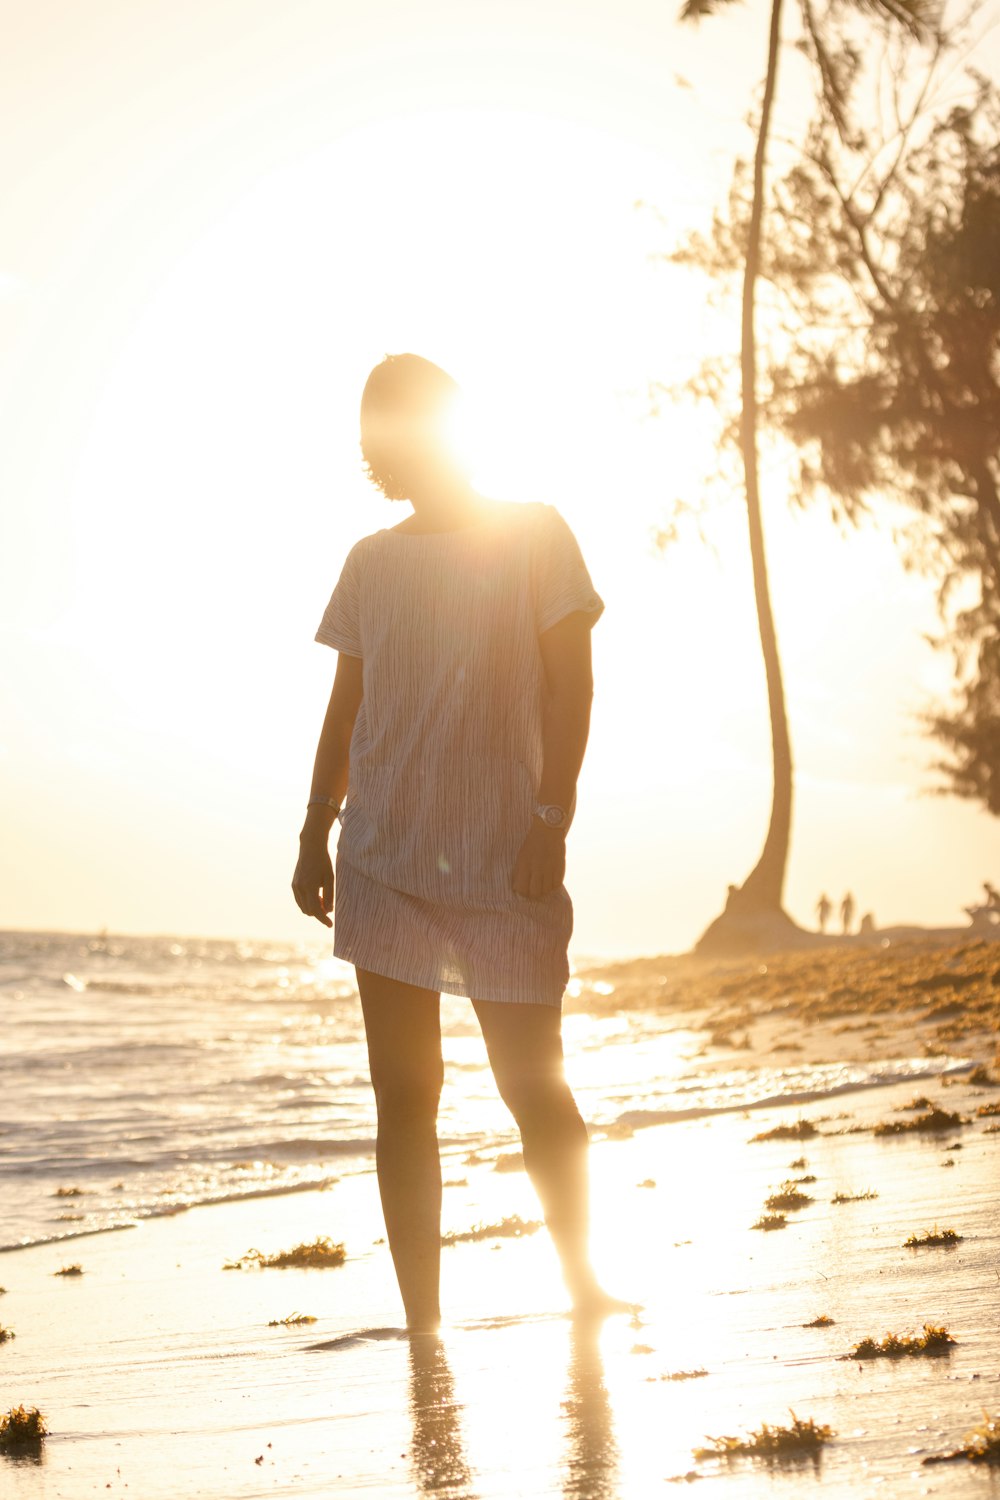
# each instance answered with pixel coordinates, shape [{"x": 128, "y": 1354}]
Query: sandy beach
[{"x": 158, "y": 1374}]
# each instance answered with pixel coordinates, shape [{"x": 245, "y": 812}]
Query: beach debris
[
  {"x": 987, "y": 1109},
  {"x": 949, "y": 1161},
  {"x": 679, "y": 1375},
  {"x": 805, "y": 1179},
  {"x": 69, "y": 1218},
  {"x": 982, "y": 1076},
  {"x": 770, "y": 1221},
  {"x": 981, "y": 1446},
  {"x": 321, "y": 1252},
  {"x": 934, "y": 1341},
  {"x": 802, "y": 1130},
  {"x": 21, "y": 1429},
  {"x": 513, "y": 1228},
  {"x": 3, "y": 1291},
  {"x": 509, "y": 1161},
  {"x": 642, "y": 1349},
  {"x": 919, "y": 1101},
  {"x": 934, "y": 1120},
  {"x": 294, "y": 1320},
  {"x": 68, "y": 1192},
  {"x": 823, "y": 1321},
  {"x": 854, "y": 1197},
  {"x": 798, "y": 1165},
  {"x": 647, "y": 1182},
  {"x": 75, "y": 1270},
  {"x": 933, "y": 1236},
  {"x": 5, "y": 1334},
  {"x": 723, "y": 1037},
  {"x": 992, "y": 1130},
  {"x": 787, "y": 1197},
  {"x": 772, "y": 1444}
]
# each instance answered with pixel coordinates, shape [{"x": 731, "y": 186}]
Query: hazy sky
[{"x": 218, "y": 215}]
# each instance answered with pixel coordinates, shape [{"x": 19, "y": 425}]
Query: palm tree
[{"x": 760, "y": 896}]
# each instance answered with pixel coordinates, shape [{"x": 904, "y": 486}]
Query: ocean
[{"x": 140, "y": 1076}]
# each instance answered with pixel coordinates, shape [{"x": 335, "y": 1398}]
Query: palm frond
[
  {"x": 920, "y": 18},
  {"x": 696, "y": 10}
]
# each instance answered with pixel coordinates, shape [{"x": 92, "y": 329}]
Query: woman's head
[{"x": 405, "y": 409}]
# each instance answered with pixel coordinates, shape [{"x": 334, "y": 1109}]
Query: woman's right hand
[{"x": 312, "y": 883}]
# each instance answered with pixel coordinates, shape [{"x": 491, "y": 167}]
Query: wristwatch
[{"x": 552, "y": 815}]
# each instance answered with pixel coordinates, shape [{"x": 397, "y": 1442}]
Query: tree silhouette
[
  {"x": 899, "y": 394},
  {"x": 755, "y": 908}
]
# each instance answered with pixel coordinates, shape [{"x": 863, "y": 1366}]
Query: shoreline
[{"x": 157, "y": 1369}]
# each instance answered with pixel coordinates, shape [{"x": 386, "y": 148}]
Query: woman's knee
[
  {"x": 543, "y": 1104},
  {"x": 407, "y": 1099}
]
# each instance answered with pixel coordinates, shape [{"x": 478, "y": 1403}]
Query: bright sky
[{"x": 219, "y": 215}]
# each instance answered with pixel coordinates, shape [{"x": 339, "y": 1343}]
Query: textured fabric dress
[{"x": 446, "y": 753}]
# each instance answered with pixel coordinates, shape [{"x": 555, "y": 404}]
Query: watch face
[{"x": 554, "y": 816}]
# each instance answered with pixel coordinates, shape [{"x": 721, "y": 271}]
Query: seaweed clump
[
  {"x": 294, "y": 1320},
  {"x": 823, "y": 1321},
  {"x": 788, "y": 1196},
  {"x": 770, "y": 1221},
  {"x": 935, "y": 1340},
  {"x": 981, "y": 1446},
  {"x": 509, "y": 1161},
  {"x": 507, "y": 1229},
  {"x": 5, "y": 1334},
  {"x": 74, "y": 1270},
  {"x": 802, "y": 1439},
  {"x": 854, "y": 1197},
  {"x": 802, "y": 1130},
  {"x": 933, "y": 1236},
  {"x": 933, "y": 1120},
  {"x": 21, "y": 1429},
  {"x": 321, "y": 1252}
]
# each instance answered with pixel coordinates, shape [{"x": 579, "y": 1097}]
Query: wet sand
[{"x": 159, "y": 1376}]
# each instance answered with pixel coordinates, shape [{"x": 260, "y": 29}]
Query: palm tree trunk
[{"x": 764, "y": 885}]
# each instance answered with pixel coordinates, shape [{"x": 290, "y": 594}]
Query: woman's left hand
[{"x": 541, "y": 861}]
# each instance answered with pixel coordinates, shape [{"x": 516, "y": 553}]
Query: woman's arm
[
  {"x": 312, "y": 883},
  {"x": 541, "y": 862}
]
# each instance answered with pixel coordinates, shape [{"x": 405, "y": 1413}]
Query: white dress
[{"x": 446, "y": 754}]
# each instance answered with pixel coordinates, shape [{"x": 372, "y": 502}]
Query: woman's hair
[{"x": 403, "y": 407}]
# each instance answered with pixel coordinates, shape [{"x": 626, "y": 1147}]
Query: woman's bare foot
[{"x": 592, "y": 1303}]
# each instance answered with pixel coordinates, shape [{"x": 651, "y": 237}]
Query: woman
[{"x": 456, "y": 729}]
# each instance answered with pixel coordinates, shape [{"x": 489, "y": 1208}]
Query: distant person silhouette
[
  {"x": 867, "y": 924},
  {"x": 824, "y": 906},
  {"x": 992, "y": 896},
  {"x": 847, "y": 912},
  {"x": 456, "y": 729}
]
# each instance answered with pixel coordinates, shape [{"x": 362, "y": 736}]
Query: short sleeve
[
  {"x": 564, "y": 586},
  {"x": 340, "y": 626}
]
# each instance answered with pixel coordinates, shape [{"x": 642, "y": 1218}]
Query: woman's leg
[
  {"x": 525, "y": 1051},
  {"x": 404, "y": 1052}
]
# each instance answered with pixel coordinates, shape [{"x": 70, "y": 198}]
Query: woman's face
[{"x": 423, "y": 453}]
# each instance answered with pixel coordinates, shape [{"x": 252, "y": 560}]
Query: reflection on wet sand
[
  {"x": 438, "y": 1453},
  {"x": 591, "y": 1462},
  {"x": 439, "y": 1466}
]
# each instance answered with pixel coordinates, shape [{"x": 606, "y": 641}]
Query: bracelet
[{"x": 323, "y": 802}]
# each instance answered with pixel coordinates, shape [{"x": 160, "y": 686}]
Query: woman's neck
[{"x": 447, "y": 510}]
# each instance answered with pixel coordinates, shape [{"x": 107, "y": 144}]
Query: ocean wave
[
  {"x": 888, "y": 1074},
  {"x": 171, "y": 1210}
]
